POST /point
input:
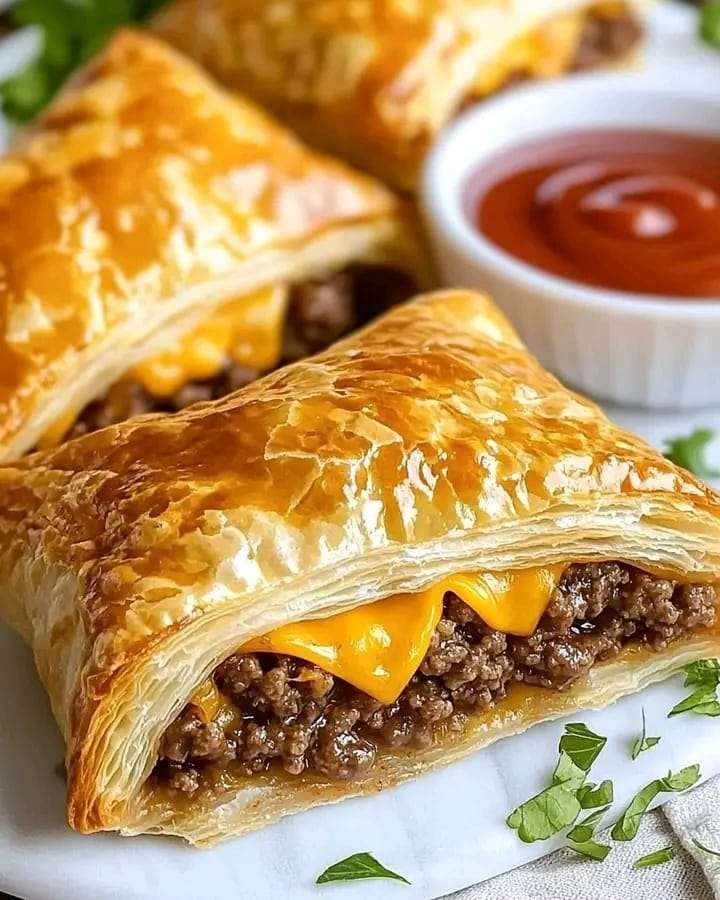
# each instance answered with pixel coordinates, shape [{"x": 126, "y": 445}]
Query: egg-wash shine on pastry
[
  {"x": 375, "y": 80},
  {"x": 162, "y": 242},
  {"x": 358, "y": 568}
]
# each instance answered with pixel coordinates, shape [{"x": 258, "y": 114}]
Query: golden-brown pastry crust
[
  {"x": 141, "y": 199},
  {"x": 371, "y": 80},
  {"x": 139, "y": 557}
]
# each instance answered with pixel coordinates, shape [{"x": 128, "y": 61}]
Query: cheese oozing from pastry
[
  {"x": 57, "y": 431},
  {"x": 248, "y": 330},
  {"x": 545, "y": 52},
  {"x": 379, "y": 646}
]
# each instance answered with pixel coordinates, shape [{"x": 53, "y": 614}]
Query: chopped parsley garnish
[
  {"x": 557, "y": 807},
  {"x": 581, "y": 745},
  {"x": 71, "y": 32},
  {"x": 627, "y": 825},
  {"x": 654, "y": 859},
  {"x": 591, "y": 849},
  {"x": 553, "y": 809},
  {"x": 581, "y": 837},
  {"x": 689, "y": 452},
  {"x": 586, "y": 829},
  {"x": 704, "y": 676},
  {"x": 643, "y": 743},
  {"x": 705, "y": 849},
  {"x": 710, "y": 22},
  {"x": 591, "y": 796},
  {"x": 702, "y": 671},
  {"x": 356, "y": 867}
]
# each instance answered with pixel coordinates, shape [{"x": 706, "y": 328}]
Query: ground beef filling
[
  {"x": 320, "y": 311},
  {"x": 605, "y": 39},
  {"x": 287, "y": 712}
]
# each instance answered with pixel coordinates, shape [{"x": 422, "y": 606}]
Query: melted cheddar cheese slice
[
  {"x": 546, "y": 52},
  {"x": 57, "y": 430},
  {"x": 248, "y": 330},
  {"x": 378, "y": 647},
  {"x": 208, "y": 700}
]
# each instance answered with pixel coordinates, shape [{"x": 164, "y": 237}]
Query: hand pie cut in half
[
  {"x": 375, "y": 80},
  {"x": 162, "y": 242},
  {"x": 365, "y": 565}
]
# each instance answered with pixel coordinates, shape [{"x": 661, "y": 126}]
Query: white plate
[{"x": 442, "y": 832}]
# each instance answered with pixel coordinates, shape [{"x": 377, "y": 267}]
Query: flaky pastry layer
[{"x": 136, "y": 559}]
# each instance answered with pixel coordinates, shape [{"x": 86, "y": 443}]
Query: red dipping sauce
[{"x": 635, "y": 211}]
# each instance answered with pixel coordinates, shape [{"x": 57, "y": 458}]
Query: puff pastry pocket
[
  {"x": 375, "y": 80},
  {"x": 162, "y": 242},
  {"x": 361, "y": 567}
]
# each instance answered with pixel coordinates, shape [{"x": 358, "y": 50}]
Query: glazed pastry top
[
  {"x": 373, "y": 80},
  {"x": 145, "y": 190}
]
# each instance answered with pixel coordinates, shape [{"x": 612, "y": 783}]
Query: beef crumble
[
  {"x": 605, "y": 39},
  {"x": 281, "y": 709},
  {"x": 320, "y": 311}
]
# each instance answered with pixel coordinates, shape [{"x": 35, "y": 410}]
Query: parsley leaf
[
  {"x": 705, "y": 675},
  {"x": 627, "y": 825},
  {"x": 591, "y": 796},
  {"x": 581, "y": 836},
  {"x": 703, "y": 701},
  {"x": 581, "y": 745},
  {"x": 710, "y": 22},
  {"x": 689, "y": 452},
  {"x": 705, "y": 849},
  {"x": 552, "y": 809},
  {"x": 681, "y": 781},
  {"x": 654, "y": 859},
  {"x": 586, "y": 829},
  {"x": 71, "y": 33},
  {"x": 702, "y": 671},
  {"x": 643, "y": 743},
  {"x": 558, "y": 806},
  {"x": 355, "y": 867},
  {"x": 591, "y": 849}
]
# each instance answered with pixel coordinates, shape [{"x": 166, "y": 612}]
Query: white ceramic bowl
[{"x": 642, "y": 350}]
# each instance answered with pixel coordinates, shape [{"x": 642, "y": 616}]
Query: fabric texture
[{"x": 691, "y": 875}]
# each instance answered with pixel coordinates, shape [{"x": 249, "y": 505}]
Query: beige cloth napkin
[{"x": 691, "y": 875}]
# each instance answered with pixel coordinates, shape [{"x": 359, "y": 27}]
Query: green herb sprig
[{"x": 71, "y": 32}]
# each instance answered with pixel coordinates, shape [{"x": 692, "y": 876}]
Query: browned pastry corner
[
  {"x": 175, "y": 575},
  {"x": 156, "y": 231},
  {"x": 375, "y": 80}
]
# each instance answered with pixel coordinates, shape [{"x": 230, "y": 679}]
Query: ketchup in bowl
[{"x": 631, "y": 210}]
